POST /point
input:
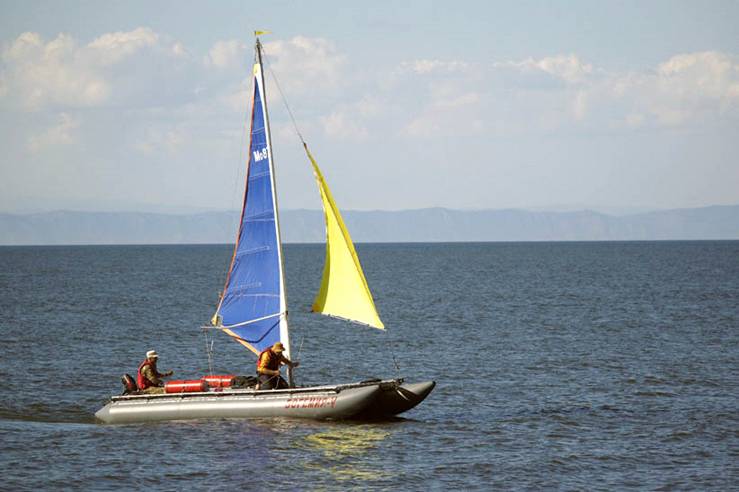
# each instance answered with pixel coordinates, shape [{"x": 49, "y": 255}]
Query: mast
[{"x": 284, "y": 331}]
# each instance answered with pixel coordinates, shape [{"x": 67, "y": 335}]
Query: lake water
[{"x": 590, "y": 366}]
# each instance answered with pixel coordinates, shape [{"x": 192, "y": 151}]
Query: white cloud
[
  {"x": 60, "y": 73},
  {"x": 178, "y": 50},
  {"x": 688, "y": 88},
  {"x": 562, "y": 92},
  {"x": 449, "y": 112},
  {"x": 566, "y": 67},
  {"x": 39, "y": 74},
  {"x": 112, "y": 48},
  {"x": 352, "y": 121},
  {"x": 457, "y": 100},
  {"x": 690, "y": 84},
  {"x": 369, "y": 106},
  {"x": 227, "y": 54},
  {"x": 461, "y": 98},
  {"x": 580, "y": 106},
  {"x": 181, "y": 103},
  {"x": 432, "y": 97},
  {"x": 306, "y": 64},
  {"x": 423, "y": 97},
  {"x": 344, "y": 125},
  {"x": 302, "y": 65},
  {"x": 165, "y": 109},
  {"x": 63, "y": 133},
  {"x": 163, "y": 138},
  {"x": 434, "y": 66}
]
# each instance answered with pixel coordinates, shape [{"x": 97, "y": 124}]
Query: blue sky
[{"x": 140, "y": 105}]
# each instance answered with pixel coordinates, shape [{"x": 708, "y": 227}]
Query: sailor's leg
[
  {"x": 266, "y": 382},
  {"x": 153, "y": 390}
]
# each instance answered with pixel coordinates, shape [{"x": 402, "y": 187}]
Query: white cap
[{"x": 152, "y": 353}]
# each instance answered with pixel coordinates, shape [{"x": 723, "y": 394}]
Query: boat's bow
[{"x": 393, "y": 399}]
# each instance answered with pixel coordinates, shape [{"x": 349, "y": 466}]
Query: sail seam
[
  {"x": 258, "y": 175},
  {"x": 254, "y": 251},
  {"x": 243, "y": 287},
  {"x": 261, "y": 215},
  {"x": 255, "y": 295}
]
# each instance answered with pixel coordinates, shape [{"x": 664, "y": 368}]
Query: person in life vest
[
  {"x": 148, "y": 379},
  {"x": 268, "y": 367}
]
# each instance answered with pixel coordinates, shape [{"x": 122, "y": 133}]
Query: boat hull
[
  {"x": 321, "y": 402},
  {"x": 392, "y": 400}
]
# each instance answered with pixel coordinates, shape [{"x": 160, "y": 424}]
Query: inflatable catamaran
[{"x": 253, "y": 310}]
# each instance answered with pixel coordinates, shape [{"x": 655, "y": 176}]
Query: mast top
[{"x": 259, "y": 44}]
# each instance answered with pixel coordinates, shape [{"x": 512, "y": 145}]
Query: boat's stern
[{"x": 103, "y": 414}]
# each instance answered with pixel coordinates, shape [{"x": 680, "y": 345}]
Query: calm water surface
[{"x": 590, "y": 366}]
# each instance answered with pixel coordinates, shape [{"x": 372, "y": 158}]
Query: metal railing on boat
[{"x": 385, "y": 383}]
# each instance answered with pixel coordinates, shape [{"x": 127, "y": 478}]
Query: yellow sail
[{"x": 344, "y": 292}]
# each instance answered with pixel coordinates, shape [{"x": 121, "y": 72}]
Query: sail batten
[
  {"x": 344, "y": 292},
  {"x": 248, "y": 322}
]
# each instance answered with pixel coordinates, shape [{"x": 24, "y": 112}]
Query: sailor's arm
[{"x": 288, "y": 362}]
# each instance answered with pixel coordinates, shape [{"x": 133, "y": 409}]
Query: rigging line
[
  {"x": 282, "y": 95},
  {"x": 397, "y": 366},
  {"x": 391, "y": 343},
  {"x": 244, "y": 129},
  {"x": 300, "y": 349},
  {"x": 209, "y": 352},
  {"x": 240, "y": 167}
]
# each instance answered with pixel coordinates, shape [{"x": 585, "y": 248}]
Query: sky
[{"x": 142, "y": 106}]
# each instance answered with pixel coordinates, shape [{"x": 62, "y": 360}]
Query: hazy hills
[{"x": 422, "y": 225}]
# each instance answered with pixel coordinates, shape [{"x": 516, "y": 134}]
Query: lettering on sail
[
  {"x": 311, "y": 402},
  {"x": 260, "y": 154}
]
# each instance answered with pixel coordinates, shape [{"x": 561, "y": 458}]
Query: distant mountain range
[{"x": 422, "y": 225}]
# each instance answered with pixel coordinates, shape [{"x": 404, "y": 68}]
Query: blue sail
[{"x": 253, "y": 306}]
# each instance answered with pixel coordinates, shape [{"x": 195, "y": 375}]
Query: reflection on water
[
  {"x": 324, "y": 450},
  {"x": 339, "y": 451}
]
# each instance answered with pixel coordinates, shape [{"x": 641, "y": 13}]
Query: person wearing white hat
[{"x": 148, "y": 379}]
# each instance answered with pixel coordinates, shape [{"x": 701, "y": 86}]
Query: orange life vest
[
  {"x": 273, "y": 361},
  {"x": 141, "y": 380}
]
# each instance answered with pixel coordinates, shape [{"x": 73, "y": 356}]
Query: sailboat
[{"x": 253, "y": 310}]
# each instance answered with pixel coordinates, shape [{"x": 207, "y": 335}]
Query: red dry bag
[
  {"x": 219, "y": 381},
  {"x": 185, "y": 386}
]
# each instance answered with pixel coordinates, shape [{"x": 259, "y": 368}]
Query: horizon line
[{"x": 536, "y": 209}]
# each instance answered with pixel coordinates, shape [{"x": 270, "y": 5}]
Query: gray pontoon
[{"x": 365, "y": 400}]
